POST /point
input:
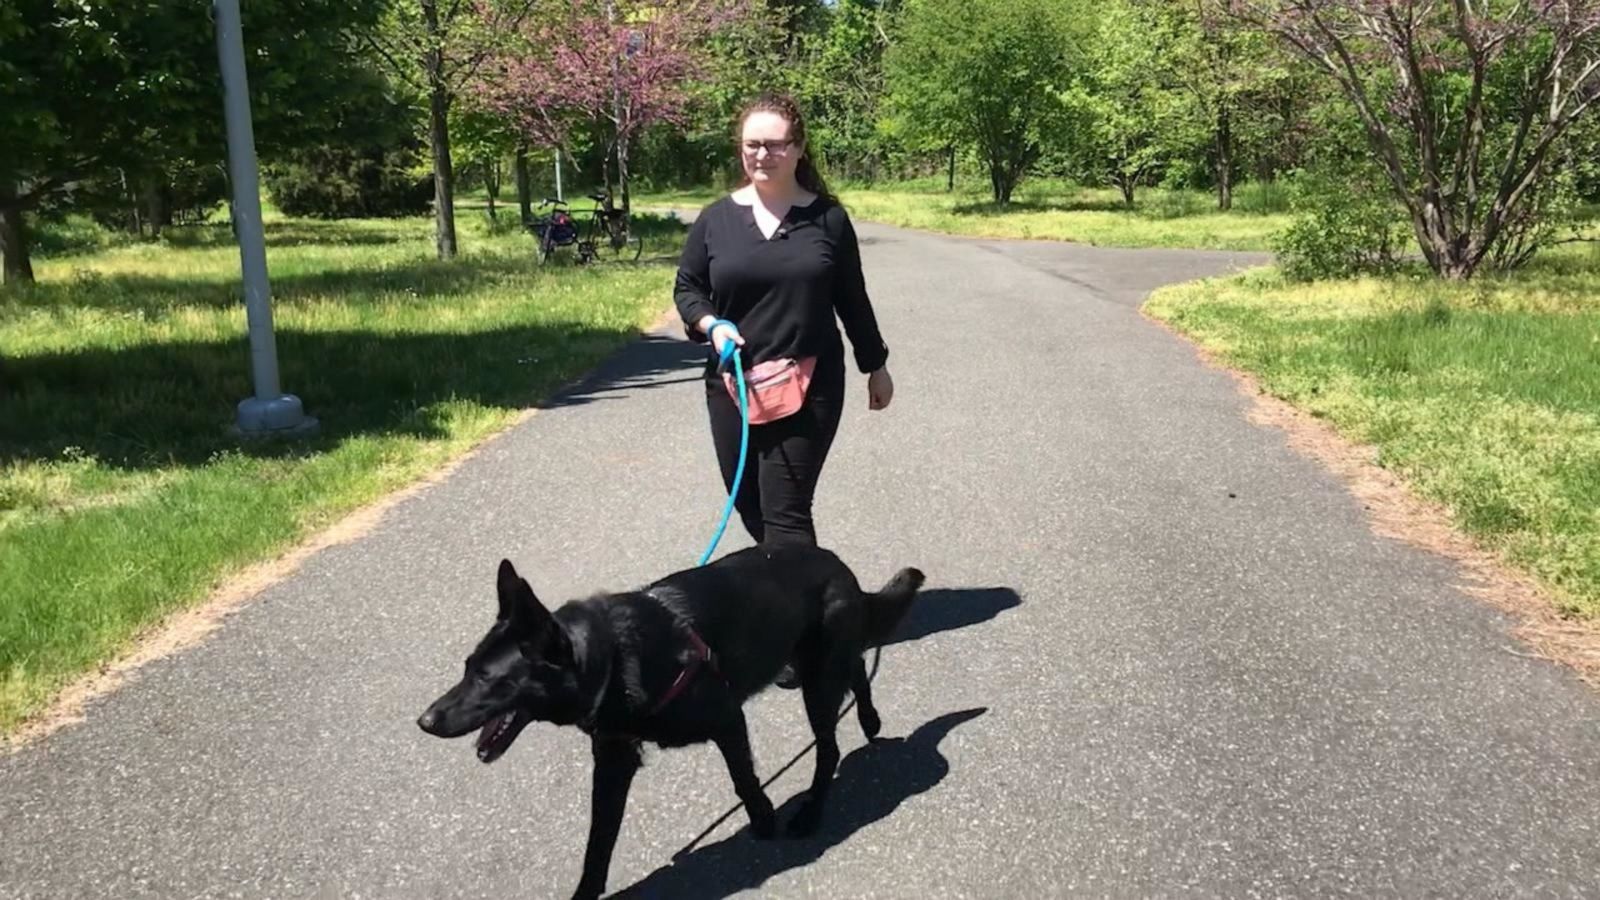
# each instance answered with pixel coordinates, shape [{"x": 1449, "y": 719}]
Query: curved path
[{"x": 1161, "y": 654}]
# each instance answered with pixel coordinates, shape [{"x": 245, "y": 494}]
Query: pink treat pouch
[{"x": 776, "y": 388}]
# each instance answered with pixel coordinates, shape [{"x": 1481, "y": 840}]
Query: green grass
[
  {"x": 122, "y": 496},
  {"x": 1485, "y": 396},
  {"x": 688, "y": 199},
  {"x": 1049, "y": 209}
]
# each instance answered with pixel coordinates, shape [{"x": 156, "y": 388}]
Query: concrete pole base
[{"x": 276, "y": 417}]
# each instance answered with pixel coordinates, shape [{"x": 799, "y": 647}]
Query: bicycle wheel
[{"x": 622, "y": 240}]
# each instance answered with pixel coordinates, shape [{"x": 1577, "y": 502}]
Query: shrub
[
  {"x": 1344, "y": 225},
  {"x": 336, "y": 182}
]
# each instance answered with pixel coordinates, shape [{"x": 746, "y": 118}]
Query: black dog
[{"x": 673, "y": 664}]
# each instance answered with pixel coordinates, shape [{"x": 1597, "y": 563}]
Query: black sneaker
[{"x": 787, "y": 679}]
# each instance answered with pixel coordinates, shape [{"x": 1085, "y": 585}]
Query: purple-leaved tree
[{"x": 619, "y": 65}]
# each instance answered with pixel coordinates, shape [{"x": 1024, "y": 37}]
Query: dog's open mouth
[{"x": 498, "y": 733}]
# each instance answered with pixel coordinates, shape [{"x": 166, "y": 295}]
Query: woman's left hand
[{"x": 880, "y": 389}]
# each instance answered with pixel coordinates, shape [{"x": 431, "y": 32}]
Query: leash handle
[{"x": 730, "y": 348}]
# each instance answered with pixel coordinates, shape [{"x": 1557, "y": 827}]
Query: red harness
[{"x": 703, "y": 657}]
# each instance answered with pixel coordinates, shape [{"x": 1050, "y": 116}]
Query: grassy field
[
  {"x": 1485, "y": 396},
  {"x": 1055, "y": 210},
  {"x": 122, "y": 496},
  {"x": 1051, "y": 210}
]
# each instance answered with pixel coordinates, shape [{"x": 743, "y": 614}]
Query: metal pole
[
  {"x": 269, "y": 412},
  {"x": 558, "y": 174}
]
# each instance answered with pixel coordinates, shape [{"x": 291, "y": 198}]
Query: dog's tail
[{"x": 887, "y": 607}]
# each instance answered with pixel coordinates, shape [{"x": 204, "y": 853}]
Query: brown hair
[{"x": 805, "y": 171}]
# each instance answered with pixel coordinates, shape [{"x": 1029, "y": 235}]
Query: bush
[
  {"x": 334, "y": 182},
  {"x": 1344, "y": 225}
]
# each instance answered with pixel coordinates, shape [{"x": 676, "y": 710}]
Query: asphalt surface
[{"x": 1160, "y": 654}]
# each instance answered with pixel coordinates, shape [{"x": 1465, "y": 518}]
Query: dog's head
[{"x": 522, "y": 671}]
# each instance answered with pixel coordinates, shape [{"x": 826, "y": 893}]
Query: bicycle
[
  {"x": 558, "y": 229},
  {"x": 609, "y": 223}
]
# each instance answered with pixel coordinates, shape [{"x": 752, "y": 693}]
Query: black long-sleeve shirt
[{"x": 783, "y": 291}]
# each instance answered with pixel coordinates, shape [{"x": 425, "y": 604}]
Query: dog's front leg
[
  {"x": 734, "y": 742},
  {"x": 823, "y": 696},
  {"x": 615, "y": 762}
]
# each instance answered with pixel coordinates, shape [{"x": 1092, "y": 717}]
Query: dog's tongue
[
  {"x": 491, "y": 732},
  {"x": 487, "y": 733}
]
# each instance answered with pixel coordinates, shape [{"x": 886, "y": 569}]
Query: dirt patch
[
  {"x": 188, "y": 627},
  {"x": 1398, "y": 513}
]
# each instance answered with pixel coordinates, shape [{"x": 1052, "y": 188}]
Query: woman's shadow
[{"x": 871, "y": 782}]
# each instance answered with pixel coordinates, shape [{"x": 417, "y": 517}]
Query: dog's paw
[
  {"x": 764, "y": 828},
  {"x": 870, "y": 723},
  {"x": 806, "y": 820}
]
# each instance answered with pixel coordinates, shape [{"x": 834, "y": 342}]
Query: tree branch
[
  {"x": 1470, "y": 153},
  {"x": 403, "y": 72}
]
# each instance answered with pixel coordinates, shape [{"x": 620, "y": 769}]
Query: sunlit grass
[
  {"x": 1484, "y": 395},
  {"x": 123, "y": 496}
]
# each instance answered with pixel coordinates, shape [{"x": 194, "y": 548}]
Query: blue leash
[{"x": 730, "y": 349}]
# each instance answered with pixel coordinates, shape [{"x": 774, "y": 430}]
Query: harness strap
[{"x": 702, "y": 657}]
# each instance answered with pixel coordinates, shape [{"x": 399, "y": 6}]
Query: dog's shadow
[{"x": 871, "y": 783}]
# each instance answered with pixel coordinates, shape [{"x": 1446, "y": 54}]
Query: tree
[
  {"x": 486, "y": 140},
  {"x": 984, "y": 72},
  {"x": 365, "y": 164},
  {"x": 842, "y": 83},
  {"x": 1224, "y": 69},
  {"x": 67, "y": 66},
  {"x": 438, "y": 48},
  {"x": 615, "y": 66},
  {"x": 1129, "y": 117},
  {"x": 1465, "y": 105}
]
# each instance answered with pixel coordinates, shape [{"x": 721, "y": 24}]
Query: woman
[{"x": 767, "y": 267}]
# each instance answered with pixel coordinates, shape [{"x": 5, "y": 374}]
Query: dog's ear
[
  {"x": 517, "y": 600},
  {"x": 555, "y": 645},
  {"x": 506, "y": 586}
]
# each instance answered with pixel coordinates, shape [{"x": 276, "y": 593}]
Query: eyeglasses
[{"x": 774, "y": 148}]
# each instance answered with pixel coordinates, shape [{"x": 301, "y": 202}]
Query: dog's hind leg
[
  {"x": 824, "y": 692},
  {"x": 866, "y": 713},
  {"x": 615, "y": 762},
  {"x": 734, "y": 742}
]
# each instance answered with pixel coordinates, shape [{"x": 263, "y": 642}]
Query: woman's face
[{"x": 765, "y": 149}]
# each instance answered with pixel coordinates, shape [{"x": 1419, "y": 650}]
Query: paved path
[{"x": 1161, "y": 655}]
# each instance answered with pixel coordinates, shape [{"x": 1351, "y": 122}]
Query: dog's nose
[{"x": 428, "y": 721}]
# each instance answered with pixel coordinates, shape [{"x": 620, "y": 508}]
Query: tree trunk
[
  {"x": 950, "y": 181},
  {"x": 1126, "y": 184},
  {"x": 524, "y": 184},
  {"x": 135, "y": 223},
  {"x": 157, "y": 205},
  {"x": 444, "y": 176},
  {"x": 491, "y": 182},
  {"x": 444, "y": 179},
  {"x": 14, "y": 243},
  {"x": 622, "y": 178},
  {"x": 1224, "y": 158}
]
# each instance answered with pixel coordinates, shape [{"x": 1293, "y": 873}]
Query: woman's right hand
[{"x": 721, "y": 334}]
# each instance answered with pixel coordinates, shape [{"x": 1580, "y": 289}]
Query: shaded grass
[
  {"x": 122, "y": 495},
  {"x": 1485, "y": 395}
]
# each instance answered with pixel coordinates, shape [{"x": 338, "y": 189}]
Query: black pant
[{"x": 784, "y": 459}]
